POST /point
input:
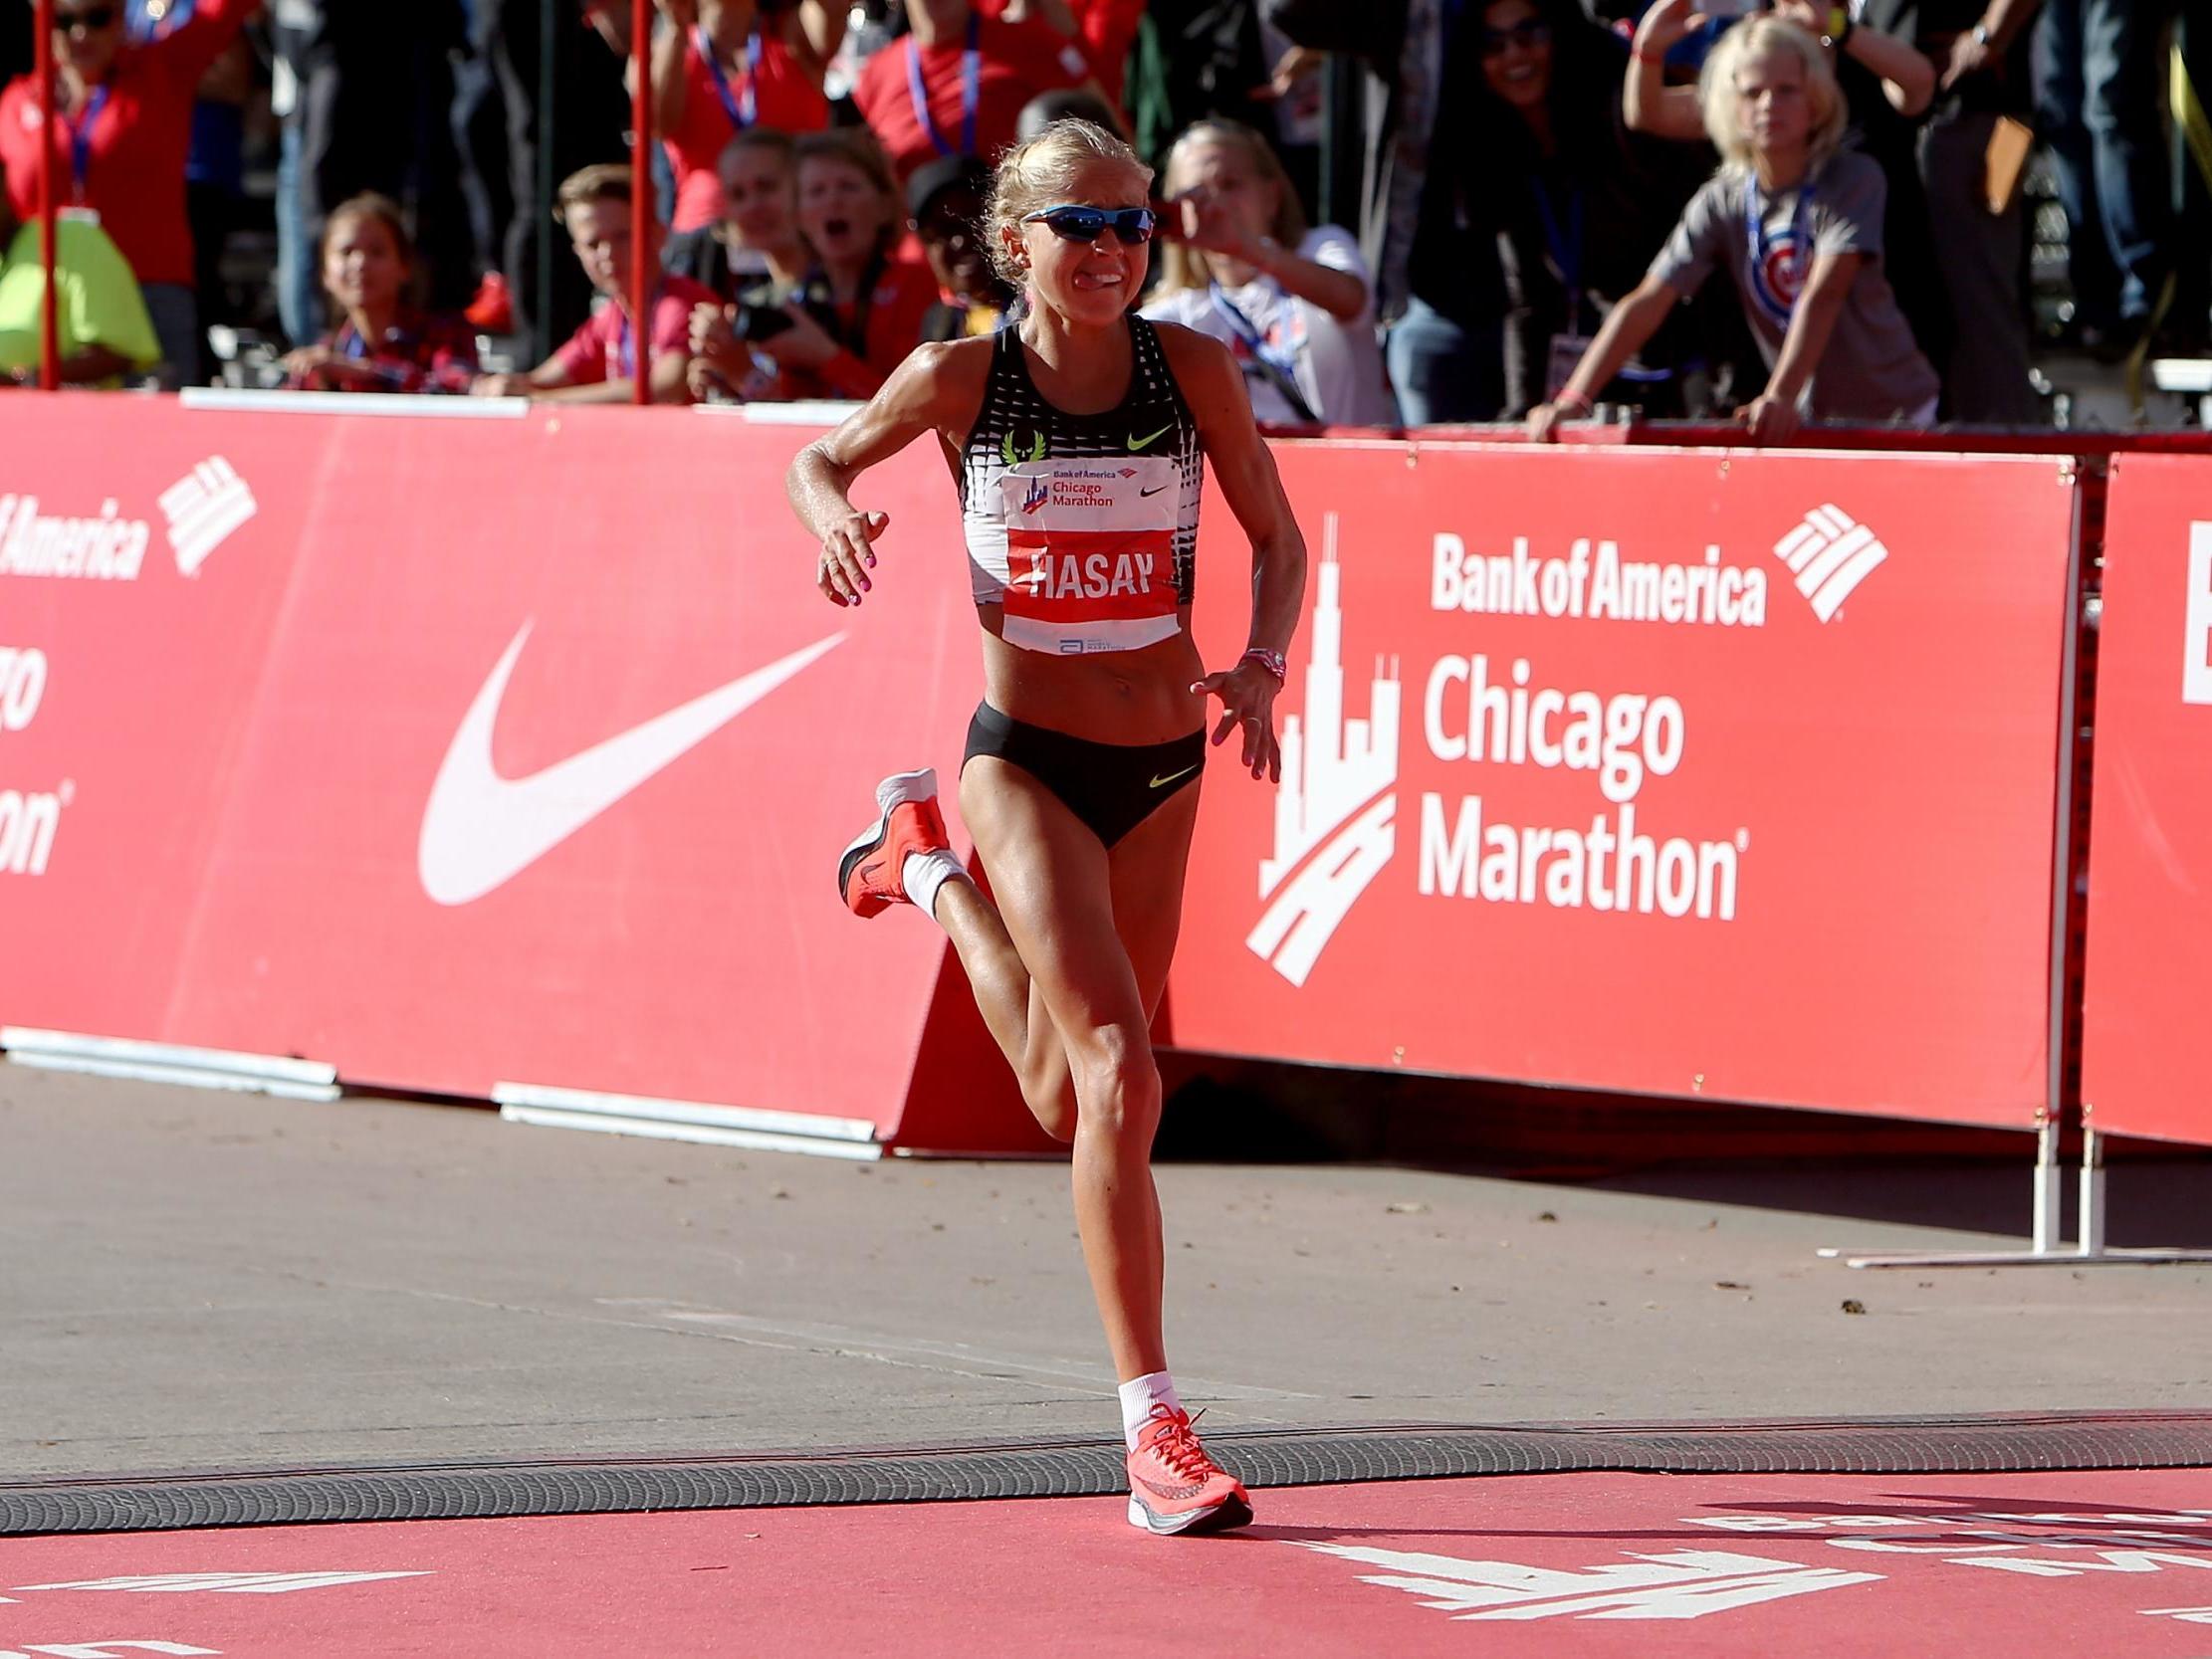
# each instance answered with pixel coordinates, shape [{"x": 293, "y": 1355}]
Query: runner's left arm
[{"x": 1214, "y": 386}]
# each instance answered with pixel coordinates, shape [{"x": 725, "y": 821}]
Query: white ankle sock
[
  {"x": 924, "y": 873},
  {"x": 1139, "y": 1397}
]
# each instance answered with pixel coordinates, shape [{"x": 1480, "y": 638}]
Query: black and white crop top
[{"x": 1084, "y": 527}]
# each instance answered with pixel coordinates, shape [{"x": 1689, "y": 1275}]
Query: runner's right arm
[{"x": 938, "y": 387}]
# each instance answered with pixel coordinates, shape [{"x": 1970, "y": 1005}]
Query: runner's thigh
[{"x": 1054, "y": 887}]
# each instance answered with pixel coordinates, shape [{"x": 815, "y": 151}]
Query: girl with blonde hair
[
  {"x": 1294, "y": 306},
  {"x": 1077, "y": 438},
  {"x": 1796, "y": 221}
]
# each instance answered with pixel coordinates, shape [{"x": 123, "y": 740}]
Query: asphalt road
[{"x": 194, "y": 1280}]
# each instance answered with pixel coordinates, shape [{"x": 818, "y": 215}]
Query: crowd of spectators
[{"x": 1549, "y": 186}]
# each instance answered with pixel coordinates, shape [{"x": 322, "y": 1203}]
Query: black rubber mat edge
[{"x": 1070, "y": 1468}]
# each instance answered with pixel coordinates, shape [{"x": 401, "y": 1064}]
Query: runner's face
[
  {"x": 762, "y": 204},
  {"x": 361, "y": 265},
  {"x": 1089, "y": 282},
  {"x": 1224, "y": 177},
  {"x": 1516, "y": 53},
  {"x": 841, "y": 210},
  {"x": 1772, "y": 104}
]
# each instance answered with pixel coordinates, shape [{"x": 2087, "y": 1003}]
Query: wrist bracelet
[
  {"x": 1572, "y": 402},
  {"x": 1273, "y": 660}
]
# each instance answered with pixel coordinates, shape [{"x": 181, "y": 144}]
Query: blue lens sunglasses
[{"x": 1132, "y": 225}]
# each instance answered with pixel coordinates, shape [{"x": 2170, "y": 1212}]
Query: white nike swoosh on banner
[{"x": 481, "y": 830}]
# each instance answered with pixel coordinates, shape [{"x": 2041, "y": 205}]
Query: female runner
[{"x": 1075, "y": 439}]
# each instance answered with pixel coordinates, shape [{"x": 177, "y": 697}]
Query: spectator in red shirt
[
  {"x": 860, "y": 309},
  {"x": 760, "y": 258},
  {"x": 599, "y": 361},
  {"x": 121, "y": 130},
  {"x": 1106, "y": 30},
  {"x": 724, "y": 67},
  {"x": 957, "y": 83},
  {"x": 387, "y": 343},
  {"x": 757, "y": 238}
]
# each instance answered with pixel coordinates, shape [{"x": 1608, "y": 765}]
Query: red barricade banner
[
  {"x": 465, "y": 750},
  {"x": 1681, "y": 773},
  {"x": 2146, "y": 1043},
  {"x": 454, "y": 751}
]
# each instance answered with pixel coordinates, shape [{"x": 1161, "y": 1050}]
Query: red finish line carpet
[{"x": 2075, "y": 1563}]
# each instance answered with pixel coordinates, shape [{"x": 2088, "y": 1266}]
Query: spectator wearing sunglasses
[
  {"x": 106, "y": 333},
  {"x": 727, "y": 67},
  {"x": 386, "y": 341},
  {"x": 1536, "y": 155},
  {"x": 1293, "y": 305},
  {"x": 123, "y": 127},
  {"x": 957, "y": 83}
]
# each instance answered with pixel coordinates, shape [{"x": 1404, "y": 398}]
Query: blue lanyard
[
  {"x": 1283, "y": 364},
  {"x": 1565, "y": 251},
  {"x": 743, "y": 114},
  {"x": 81, "y": 140},
  {"x": 1761, "y": 249},
  {"x": 970, "y": 82}
]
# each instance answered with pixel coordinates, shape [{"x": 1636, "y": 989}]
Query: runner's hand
[
  {"x": 847, "y": 556},
  {"x": 1248, "y": 694}
]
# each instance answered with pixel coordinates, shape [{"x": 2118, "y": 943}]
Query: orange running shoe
[
  {"x": 868, "y": 875},
  {"x": 1174, "y": 1487}
]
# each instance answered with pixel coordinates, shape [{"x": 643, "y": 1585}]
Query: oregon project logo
[{"x": 1336, "y": 811}]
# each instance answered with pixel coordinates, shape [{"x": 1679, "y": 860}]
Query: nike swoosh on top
[
  {"x": 1154, "y": 491},
  {"x": 481, "y": 830},
  {"x": 1150, "y": 438},
  {"x": 1159, "y": 783}
]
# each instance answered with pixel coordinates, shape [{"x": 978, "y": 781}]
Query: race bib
[{"x": 1090, "y": 552}]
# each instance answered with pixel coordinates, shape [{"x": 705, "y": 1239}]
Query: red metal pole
[
  {"x": 641, "y": 202},
  {"x": 50, "y": 324}
]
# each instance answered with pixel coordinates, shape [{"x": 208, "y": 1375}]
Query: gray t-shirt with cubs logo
[{"x": 1871, "y": 369}]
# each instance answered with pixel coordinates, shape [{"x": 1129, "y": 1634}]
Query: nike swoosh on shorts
[{"x": 481, "y": 830}]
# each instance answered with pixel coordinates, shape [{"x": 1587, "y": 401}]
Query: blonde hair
[
  {"x": 1183, "y": 265},
  {"x": 602, "y": 181},
  {"x": 1763, "y": 37},
  {"x": 1042, "y": 173}
]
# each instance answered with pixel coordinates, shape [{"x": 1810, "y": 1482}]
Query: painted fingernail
[{"x": 871, "y": 561}]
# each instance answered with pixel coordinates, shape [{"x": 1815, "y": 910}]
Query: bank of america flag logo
[
  {"x": 1830, "y": 553},
  {"x": 1336, "y": 803},
  {"x": 203, "y": 508}
]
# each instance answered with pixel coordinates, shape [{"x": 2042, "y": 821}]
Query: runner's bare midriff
[{"x": 1106, "y": 696}]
